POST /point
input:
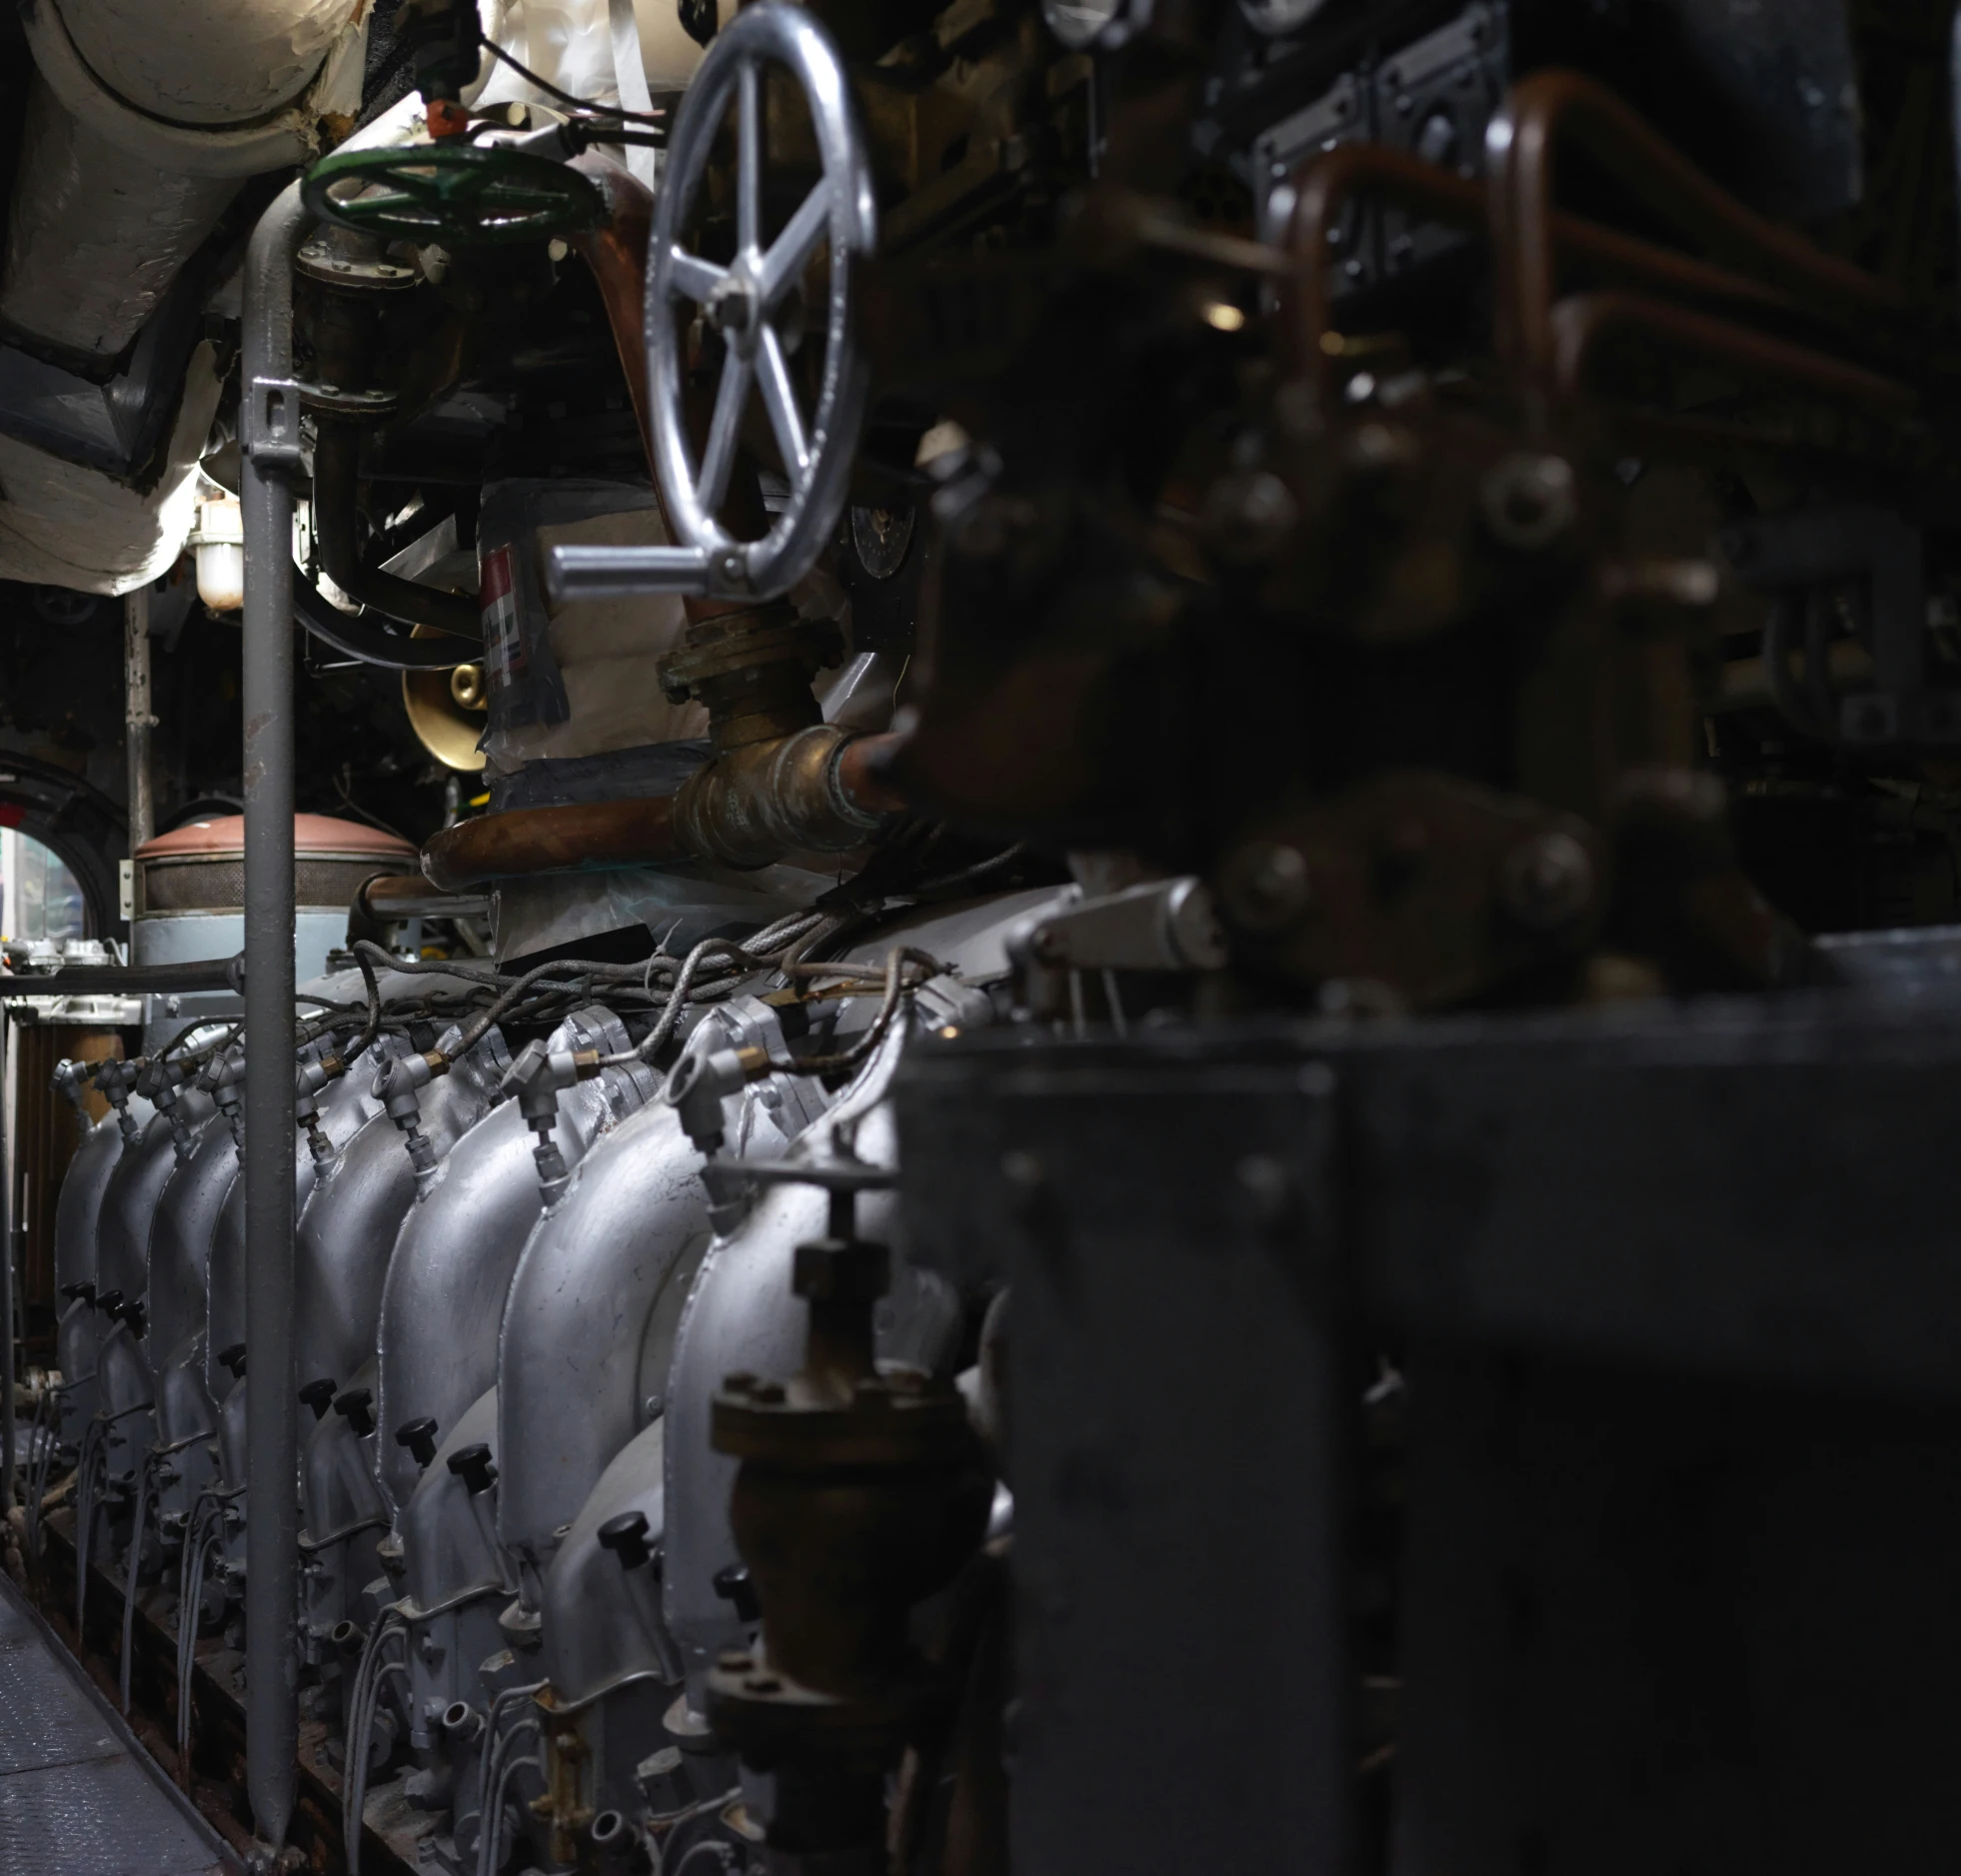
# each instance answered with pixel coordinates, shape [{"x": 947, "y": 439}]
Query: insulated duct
[
  {"x": 206, "y": 61},
  {"x": 145, "y": 119},
  {"x": 91, "y": 247}
]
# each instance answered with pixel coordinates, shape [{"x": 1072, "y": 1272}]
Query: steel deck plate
[{"x": 76, "y": 1798}]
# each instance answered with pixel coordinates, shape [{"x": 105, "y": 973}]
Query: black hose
[
  {"x": 358, "y": 638},
  {"x": 336, "y": 470},
  {"x": 372, "y": 1027}
]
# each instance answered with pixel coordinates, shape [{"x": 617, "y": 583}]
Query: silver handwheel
[{"x": 747, "y": 302}]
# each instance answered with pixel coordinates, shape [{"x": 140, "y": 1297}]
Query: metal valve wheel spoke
[
  {"x": 780, "y": 400},
  {"x": 724, "y": 428},
  {"x": 791, "y": 252},
  {"x": 746, "y": 301}
]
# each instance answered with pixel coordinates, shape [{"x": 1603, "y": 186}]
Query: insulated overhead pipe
[{"x": 271, "y": 436}]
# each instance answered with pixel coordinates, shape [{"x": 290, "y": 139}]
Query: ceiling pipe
[{"x": 145, "y": 119}]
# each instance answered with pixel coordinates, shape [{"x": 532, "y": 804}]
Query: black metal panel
[
  {"x": 1682, "y": 1294},
  {"x": 1177, "y": 1445},
  {"x": 1745, "y": 1189},
  {"x": 1745, "y": 1186},
  {"x": 1764, "y": 94},
  {"x": 1675, "y": 1625}
]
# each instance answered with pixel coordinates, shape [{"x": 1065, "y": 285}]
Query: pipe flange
[
  {"x": 333, "y": 259},
  {"x": 730, "y": 647},
  {"x": 770, "y": 1715}
]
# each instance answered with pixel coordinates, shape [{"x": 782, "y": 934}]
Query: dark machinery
[{"x": 1166, "y": 1086}]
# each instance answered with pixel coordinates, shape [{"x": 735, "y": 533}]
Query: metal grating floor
[{"x": 76, "y": 1797}]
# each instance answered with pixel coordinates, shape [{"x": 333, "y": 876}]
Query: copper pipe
[
  {"x": 1583, "y": 327},
  {"x": 864, "y": 772},
  {"x": 817, "y": 790},
  {"x": 616, "y": 250},
  {"x": 390, "y": 897},
  {"x": 1326, "y": 187},
  {"x": 1336, "y": 178},
  {"x": 1551, "y": 109},
  {"x": 585, "y": 835}
]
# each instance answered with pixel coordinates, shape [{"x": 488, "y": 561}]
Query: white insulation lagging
[
  {"x": 605, "y": 51},
  {"x": 65, "y": 526},
  {"x": 102, "y": 220},
  {"x": 92, "y": 247},
  {"x": 146, "y": 119},
  {"x": 207, "y": 62}
]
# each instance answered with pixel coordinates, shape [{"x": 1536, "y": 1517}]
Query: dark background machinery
[{"x": 1404, "y": 555}]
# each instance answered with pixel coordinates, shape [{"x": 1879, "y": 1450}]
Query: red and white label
[{"x": 504, "y": 645}]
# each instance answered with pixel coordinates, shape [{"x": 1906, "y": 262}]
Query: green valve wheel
[{"x": 452, "y": 194}]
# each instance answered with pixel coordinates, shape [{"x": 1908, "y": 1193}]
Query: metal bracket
[
  {"x": 271, "y": 424},
  {"x": 1162, "y": 924}
]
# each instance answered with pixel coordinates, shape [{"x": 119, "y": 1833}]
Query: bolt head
[
  {"x": 1548, "y": 881},
  {"x": 1530, "y": 500},
  {"x": 1266, "y": 887}
]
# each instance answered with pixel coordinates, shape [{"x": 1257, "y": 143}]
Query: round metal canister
[{"x": 189, "y": 901}]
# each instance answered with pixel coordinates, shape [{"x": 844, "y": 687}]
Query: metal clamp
[{"x": 271, "y": 424}]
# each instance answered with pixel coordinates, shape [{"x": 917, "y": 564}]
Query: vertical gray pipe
[
  {"x": 9, "y": 1258},
  {"x": 270, "y": 432},
  {"x": 138, "y": 722}
]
